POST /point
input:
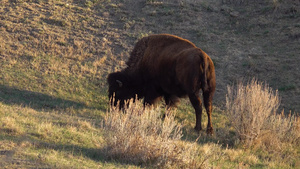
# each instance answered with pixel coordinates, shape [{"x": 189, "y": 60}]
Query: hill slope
[
  {"x": 55, "y": 56},
  {"x": 245, "y": 39}
]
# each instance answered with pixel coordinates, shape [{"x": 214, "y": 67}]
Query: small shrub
[
  {"x": 252, "y": 112},
  {"x": 142, "y": 137},
  {"x": 248, "y": 107}
]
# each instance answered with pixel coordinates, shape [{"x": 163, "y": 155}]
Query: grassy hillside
[{"x": 55, "y": 56}]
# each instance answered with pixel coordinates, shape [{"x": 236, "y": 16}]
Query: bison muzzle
[{"x": 169, "y": 67}]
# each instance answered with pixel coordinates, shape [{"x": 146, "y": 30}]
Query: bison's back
[{"x": 153, "y": 46}]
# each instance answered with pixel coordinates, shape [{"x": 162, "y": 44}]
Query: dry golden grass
[
  {"x": 10, "y": 125},
  {"x": 141, "y": 136},
  {"x": 280, "y": 132}
]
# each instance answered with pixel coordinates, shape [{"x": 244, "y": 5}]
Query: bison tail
[{"x": 204, "y": 74}]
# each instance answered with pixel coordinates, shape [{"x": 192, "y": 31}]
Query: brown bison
[{"x": 170, "y": 67}]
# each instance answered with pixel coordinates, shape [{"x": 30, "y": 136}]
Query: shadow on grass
[
  {"x": 37, "y": 101},
  {"x": 95, "y": 154}
]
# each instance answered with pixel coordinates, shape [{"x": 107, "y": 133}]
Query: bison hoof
[
  {"x": 210, "y": 131},
  {"x": 198, "y": 129}
]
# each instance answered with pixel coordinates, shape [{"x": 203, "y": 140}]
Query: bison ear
[{"x": 119, "y": 83}]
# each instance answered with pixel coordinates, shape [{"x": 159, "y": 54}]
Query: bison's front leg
[
  {"x": 196, "y": 102},
  {"x": 171, "y": 100},
  {"x": 151, "y": 96}
]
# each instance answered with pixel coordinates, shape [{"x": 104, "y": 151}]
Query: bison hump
[{"x": 137, "y": 53}]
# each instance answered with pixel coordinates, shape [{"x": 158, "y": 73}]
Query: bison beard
[{"x": 170, "y": 67}]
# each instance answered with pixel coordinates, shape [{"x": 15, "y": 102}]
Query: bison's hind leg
[
  {"x": 196, "y": 102},
  {"x": 207, "y": 98}
]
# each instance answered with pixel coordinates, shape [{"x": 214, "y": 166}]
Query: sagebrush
[
  {"x": 143, "y": 136},
  {"x": 253, "y": 112},
  {"x": 248, "y": 108}
]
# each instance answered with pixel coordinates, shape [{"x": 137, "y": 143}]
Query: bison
[{"x": 169, "y": 67}]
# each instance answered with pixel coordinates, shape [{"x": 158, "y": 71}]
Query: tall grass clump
[
  {"x": 141, "y": 136},
  {"x": 281, "y": 132},
  {"x": 252, "y": 110},
  {"x": 248, "y": 107}
]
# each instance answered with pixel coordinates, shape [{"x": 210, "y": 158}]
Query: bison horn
[{"x": 120, "y": 83}]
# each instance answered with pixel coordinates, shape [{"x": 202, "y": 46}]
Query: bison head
[{"x": 120, "y": 89}]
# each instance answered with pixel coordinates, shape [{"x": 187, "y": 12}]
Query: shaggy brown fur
[{"x": 170, "y": 67}]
